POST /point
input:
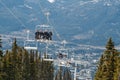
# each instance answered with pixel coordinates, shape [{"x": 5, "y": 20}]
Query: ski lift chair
[
  {"x": 62, "y": 53},
  {"x": 48, "y": 57},
  {"x": 30, "y": 45},
  {"x": 44, "y": 32}
]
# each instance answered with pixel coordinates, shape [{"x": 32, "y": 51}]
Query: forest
[{"x": 20, "y": 64}]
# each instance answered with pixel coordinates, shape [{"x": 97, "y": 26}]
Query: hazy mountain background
[{"x": 89, "y": 22}]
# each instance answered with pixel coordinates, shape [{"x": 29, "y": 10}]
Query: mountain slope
[{"x": 82, "y": 21}]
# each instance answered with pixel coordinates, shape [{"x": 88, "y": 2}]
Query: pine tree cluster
[
  {"x": 19, "y": 64},
  {"x": 109, "y": 64}
]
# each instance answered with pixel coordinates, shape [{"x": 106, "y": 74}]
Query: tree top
[{"x": 110, "y": 44}]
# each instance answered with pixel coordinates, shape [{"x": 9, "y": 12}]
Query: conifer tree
[
  {"x": 1, "y": 53},
  {"x": 20, "y": 63},
  {"x": 67, "y": 74},
  {"x": 107, "y": 63},
  {"x": 37, "y": 65},
  {"x": 47, "y": 70},
  {"x": 26, "y": 66},
  {"x": 14, "y": 54},
  {"x": 117, "y": 68},
  {"x": 5, "y": 66},
  {"x": 1, "y": 56},
  {"x": 32, "y": 66},
  {"x": 63, "y": 74},
  {"x": 8, "y": 66},
  {"x": 59, "y": 75}
]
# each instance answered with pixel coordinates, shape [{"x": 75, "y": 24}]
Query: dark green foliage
[
  {"x": 63, "y": 74},
  {"x": 59, "y": 75},
  {"x": 19, "y": 64},
  {"x": 110, "y": 44},
  {"x": 1, "y": 56},
  {"x": 67, "y": 75},
  {"x": 108, "y": 68},
  {"x": 1, "y": 53}
]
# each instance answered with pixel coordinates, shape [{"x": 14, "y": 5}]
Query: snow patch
[
  {"x": 108, "y": 4},
  {"x": 81, "y": 36},
  {"x": 87, "y": 2},
  {"x": 87, "y": 35},
  {"x": 95, "y": 1},
  {"x": 27, "y": 6},
  {"x": 32, "y": 1},
  {"x": 51, "y": 1},
  {"x": 32, "y": 20}
]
